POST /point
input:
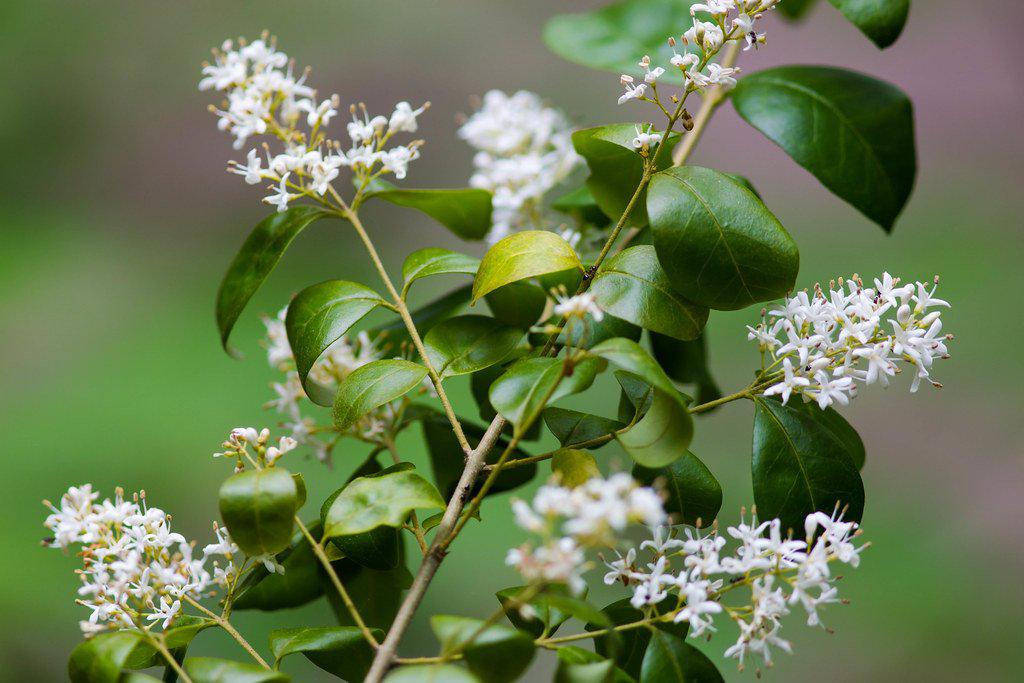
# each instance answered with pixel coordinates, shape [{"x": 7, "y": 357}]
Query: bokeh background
[{"x": 117, "y": 222}]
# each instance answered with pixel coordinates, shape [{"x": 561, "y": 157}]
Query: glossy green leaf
[
  {"x": 523, "y": 255},
  {"x": 466, "y": 212},
  {"x": 581, "y": 204},
  {"x": 662, "y": 435},
  {"x": 497, "y": 654},
  {"x": 670, "y": 659},
  {"x": 880, "y": 20},
  {"x": 799, "y": 467},
  {"x": 636, "y": 397},
  {"x": 210, "y": 670},
  {"x": 576, "y": 665},
  {"x": 547, "y": 619},
  {"x": 340, "y": 650},
  {"x": 692, "y": 491},
  {"x": 842, "y": 430},
  {"x": 572, "y": 427},
  {"x": 320, "y": 315},
  {"x": 687, "y": 362},
  {"x": 372, "y": 385},
  {"x": 616, "y": 168},
  {"x": 633, "y": 286},
  {"x": 795, "y": 9},
  {"x": 589, "y": 335},
  {"x": 629, "y": 356},
  {"x": 855, "y": 133},
  {"x": 465, "y": 344},
  {"x": 520, "y": 393},
  {"x": 259, "y": 506},
  {"x": 431, "y": 673},
  {"x": 426, "y": 316},
  {"x": 102, "y": 658},
  {"x": 385, "y": 498},
  {"x": 436, "y": 261},
  {"x": 574, "y": 467},
  {"x": 377, "y": 548},
  {"x": 520, "y": 304},
  {"x": 615, "y": 37},
  {"x": 255, "y": 260},
  {"x": 297, "y": 585},
  {"x": 719, "y": 245},
  {"x": 628, "y": 647}
]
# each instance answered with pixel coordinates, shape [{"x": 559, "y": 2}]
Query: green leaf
[
  {"x": 581, "y": 204},
  {"x": 465, "y": 344},
  {"x": 340, "y": 650},
  {"x": 520, "y": 393},
  {"x": 377, "y": 548},
  {"x": 662, "y": 435},
  {"x": 576, "y": 665},
  {"x": 631, "y": 357},
  {"x": 633, "y": 286},
  {"x": 795, "y": 9},
  {"x": 431, "y": 673},
  {"x": 497, "y": 654},
  {"x": 372, "y": 385},
  {"x": 588, "y": 336},
  {"x": 693, "y": 492},
  {"x": 574, "y": 467},
  {"x": 259, "y": 506},
  {"x": 853, "y": 132},
  {"x": 572, "y": 427},
  {"x": 670, "y": 659},
  {"x": 255, "y": 260},
  {"x": 616, "y": 168},
  {"x": 385, "y": 498},
  {"x": 627, "y": 648},
  {"x": 578, "y": 608},
  {"x": 880, "y": 20},
  {"x": 615, "y": 37},
  {"x": 520, "y": 304},
  {"x": 426, "y": 316},
  {"x": 436, "y": 261},
  {"x": 210, "y": 670},
  {"x": 799, "y": 467},
  {"x": 837, "y": 425},
  {"x": 102, "y": 658},
  {"x": 466, "y": 212},
  {"x": 523, "y": 255},
  {"x": 687, "y": 362},
  {"x": 299, "y": 584},
  {"x": 719, "y": 245},
  {"x": 548, "y": 619},
  {"x": 320, "y": 315}
]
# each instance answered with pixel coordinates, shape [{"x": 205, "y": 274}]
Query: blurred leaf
[
  {"x": 372, "y": 385},
  {"x": 576, "y": 665},
  {"x": 880, "y": 20},
  {"x": 693, "y": 492},
  {"x": 672, "y": 660},
  {"x": 520, "y": 304},
  {"x": 837, "y": 425},
  {"x": 376, "y": 594},
  {"x": 616, "y": 168},
  {"x": 548, "y": 619},
  {"x": 385, "y": 498},
  {"x": 377, "y": 548},
  {"x": 464, "y": 211},
  {"x": 431, "y": 673},
  {"x": 572, "y": 427},
  {"x": 299, "y": 584},
  {"x": 853, "y": 132},
  {"x": 799, "y": 467},
  {"x": 581, "y": 204},
  {"x": 255, "y": 260},
  {"x": 633, "y": 286},
  {"x": 795, "y": 9},
  {"x": 425, "y": 316},
  {"x": 574, "y": 467},
  {"x": 577, "y": 608},
  {"x": 340, "y": 650},
  {"x": 210, "y": 670},
  {"x": 436, "y": 261},
  {"x": 497, "y": 654},
  {"x": 523, "y": 255},
  {"x": 719, "y": 245},
  {"x": 520, "y": 392},
  {"x": 258, "y": 507},
  {"x": 628, "y": 647},
  {"x": 687, "y": 362},
  {"x": 468, "y": 343},
  {"x": 102, "y": 658}
]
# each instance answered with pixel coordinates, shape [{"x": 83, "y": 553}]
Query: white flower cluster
[
  {"x": 524, "y": 150},
  {"x": 731, "y": 21},
  {"x": 136, "y": 570},
  {"x": 265, "y": 97},
  {"x": 689, "y": 574},
  {"x": 828, "y": 342},
  {"x": 578, "y": 306}
]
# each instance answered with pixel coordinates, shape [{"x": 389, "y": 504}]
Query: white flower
[
  {"x": 321, "y": 114},
  {"x": 281, "y": 196},
  {"x": 651, "y": 76},
  {"x": 403, "y": 119},
  {"x": 633, "y": 92},
  {"x": 579, "y": 306},
  {"x": 699, "y": 607},
  {"x": 166, "y": 612},
  {"x": 252, "y": 170},
  {"x": 646, "y": 138},
  {"x": 396, "y": 159},
  {"x": 790, "y": 383}
]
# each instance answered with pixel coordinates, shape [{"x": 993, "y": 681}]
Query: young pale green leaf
[
  {"x": 340, "y": 650},
  {"x": 431, "y": 673},
  {"x": 498, "y": 654},
  {"x": 574, "y": 467},
  {"x": 581, "y": 204},
  {"x": 795, "y": 9},
  {"x": 297, "y": 585},
  {"x": 616, "y": 168},
  {"x": 102, "y": 658},
  {"x": 377, "y": 548},
  {"x": 547, "y": 619},
  {"x": 259, "y": 506},
  {"x": 880, "y": 20},
  {"x": 692, "y": 491},
  {"x": 373, "y": 385},
  {"x": 572, "y": 427},
  {"x": 719, "y": 245},
  {"x": 519, "y": 394},
  {"x": 853, "y": 132},
  {"x": 255, "y": 260},
  {"x": 426, "y": 316},
  {"x": 628, "y": 647},
  {"x": 662, "y": 435},
  {"x": 465, "y": 344},
  {"x": 376, "y": 594},
  {"x": 466, "y": 212},
  {"x": 385, "y": 498},
  {"x": 320, "y": 315},
  {"x": 210, "y": 670},
  {"x": 614, "y": 38},
  {"x": 837, "y": 425},
  {"x": 633, "y": 286},
  {"x": 686, "y": 362},
  {"x": 436, "y": 261},
  {"x": 524, "y": 255},
  {"x": 799, "y": 467},
  {"x": 670, "y": 659},
  {"x": 520, "y": 304}
]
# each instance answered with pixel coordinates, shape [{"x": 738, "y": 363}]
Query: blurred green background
[{"x": 118, "y": 221}]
